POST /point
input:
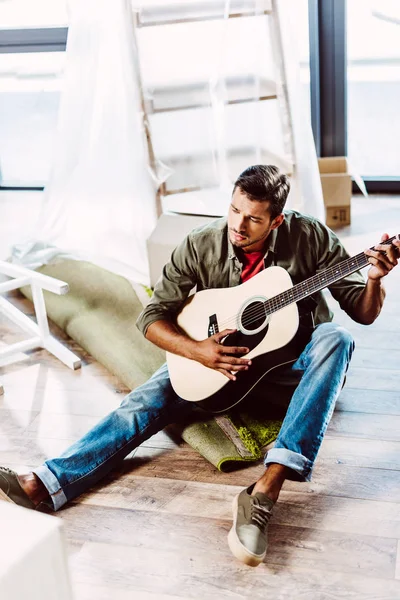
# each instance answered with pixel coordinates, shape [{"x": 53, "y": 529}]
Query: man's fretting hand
[
  {"x": 211, "y": 353},
  {"x": 383, "y": 258}
]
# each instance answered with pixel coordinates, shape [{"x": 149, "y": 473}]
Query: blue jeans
[{"x": 321, "y": 369}]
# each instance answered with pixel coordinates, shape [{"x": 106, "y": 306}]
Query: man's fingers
[
  {"x": 232, "y": 360},
  {"x": 379, "y": 261},
  {"x": 227, "y": 374},
  {"x": 379, "y": 257},
  {"x": 381, "y": 249},
  {"x": 392, "y": 256},
  {"x": 384, "y": 257},
  {"x": 384, "y": 267},
  {"x": 234, "y": 350},
  {"x": 232, "y": 367},
  {"x": 389, "y": 250},
  {"x": 222, "y": 334},
  {"x": 396, "y": 248}
]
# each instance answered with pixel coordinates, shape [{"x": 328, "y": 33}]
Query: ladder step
[
  {"x": 187, "y": 11},
  {"x": 213, "y": 202},
  {"x": 199, "y": 170},
  {"x": 234, "y": 90}
]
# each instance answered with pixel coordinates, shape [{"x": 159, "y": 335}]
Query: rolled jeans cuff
[
  {"x": 52, "y": 484},
  {"x": 301, "y": 465}
]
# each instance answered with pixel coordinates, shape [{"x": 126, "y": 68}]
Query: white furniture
[
  {"x": 39, "y": 332},
  {"x": 33, "y": 557},
  {"x": 170, "y": 230}
]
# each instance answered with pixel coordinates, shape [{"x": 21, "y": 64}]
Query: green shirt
[{"x": 206, "y": 259}]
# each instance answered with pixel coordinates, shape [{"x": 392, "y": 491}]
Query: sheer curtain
[
  {"x": 100, "y": 201},
  {"x": 212, "y": 110},
  {"x": 223, "y": 94}
]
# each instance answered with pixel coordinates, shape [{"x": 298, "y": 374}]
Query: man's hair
[{"x": 265, "y": 183}]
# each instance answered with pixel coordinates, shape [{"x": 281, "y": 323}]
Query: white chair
[{"x": 39, "y": 332}]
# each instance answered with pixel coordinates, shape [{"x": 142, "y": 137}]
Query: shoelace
[{"x": 260, "y": 516}]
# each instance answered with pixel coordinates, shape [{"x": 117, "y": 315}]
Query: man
[{"x": 225, "y": 253}]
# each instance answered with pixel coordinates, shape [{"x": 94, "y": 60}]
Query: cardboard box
[
  {"x": 170, "y": 230},
  {"x": 337, "y": 216},
  {"x": 336, "y": 189}
]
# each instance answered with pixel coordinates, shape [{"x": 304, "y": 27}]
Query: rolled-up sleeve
[
  {"x": 331, "y": 251},
  {"x": 178, "y": 278}
]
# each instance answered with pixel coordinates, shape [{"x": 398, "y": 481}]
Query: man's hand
[
  {"x": 383, "y": 258},
  {"x": 211, "y": 353}
]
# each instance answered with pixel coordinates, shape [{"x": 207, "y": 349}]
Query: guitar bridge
[{"x": 212, "y": 325}]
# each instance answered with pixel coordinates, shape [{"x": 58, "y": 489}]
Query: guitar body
[
  {"x": 246, "y": 382},
  {"x": 239, "y": 307},
  {"x": 263, "y": 310}
]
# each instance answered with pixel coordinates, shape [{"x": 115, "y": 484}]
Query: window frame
[
  {"x": 33, "y": 39},
  {"x": 328, "y": 81},
  {"x": 328, "y": 78},
  {"x": 27, "y": 40}
]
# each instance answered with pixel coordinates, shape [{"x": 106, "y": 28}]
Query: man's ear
[{"x": 278, "y": 221}]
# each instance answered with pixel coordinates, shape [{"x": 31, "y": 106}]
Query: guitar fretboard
[{"x": 318, "y": 282}]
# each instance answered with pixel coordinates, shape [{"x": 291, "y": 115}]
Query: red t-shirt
[{"x": 253, "y": 263}]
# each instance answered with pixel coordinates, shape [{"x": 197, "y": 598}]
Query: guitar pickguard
[{"x": 246, "y": 381}]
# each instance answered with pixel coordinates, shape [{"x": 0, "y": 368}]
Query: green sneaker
[
  {"x": 11, "y": 490},
  {"x": 247, "y": 538}
]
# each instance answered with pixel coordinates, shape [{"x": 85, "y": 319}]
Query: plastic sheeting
[
  {"x": 306, "y": 192},
  {"x": 222, "y": 92},
  {"x": 100, "y": 201},
  {"x": 218, "y": 83}
]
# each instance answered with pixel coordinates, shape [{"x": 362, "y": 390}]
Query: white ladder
[{"x": 194, "y": 179}]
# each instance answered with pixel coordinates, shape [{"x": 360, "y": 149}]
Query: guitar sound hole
[{"x": 253, "y": 316}]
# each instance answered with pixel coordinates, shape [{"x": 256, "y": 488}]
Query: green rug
[{"x": 99, "y": 313}]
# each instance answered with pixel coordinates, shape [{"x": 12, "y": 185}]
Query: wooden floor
[{"x": 157, "y": 529}]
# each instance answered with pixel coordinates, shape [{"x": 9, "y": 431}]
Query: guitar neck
[{"x": 319, "y": 282}]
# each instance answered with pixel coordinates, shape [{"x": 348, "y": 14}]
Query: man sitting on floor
[{"x": 225, "y": 253}]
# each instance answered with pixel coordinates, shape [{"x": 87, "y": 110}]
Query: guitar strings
[
  {"x": 251, "y": 317},
  {"x": 256, "y": 313}
]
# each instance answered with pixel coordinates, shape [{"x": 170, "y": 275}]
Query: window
[
  {"x": 20, "y": 14},
  {"x": 30, "y": 86},
  {"x": 32, "y": 40},
  {"x": 373, "y": 86}
]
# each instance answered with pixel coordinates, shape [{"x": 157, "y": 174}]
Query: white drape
[
  {"x": 221, "y": 106},
  {"x": 306, "y": 191},
  {"x": 100, "y": 201}
]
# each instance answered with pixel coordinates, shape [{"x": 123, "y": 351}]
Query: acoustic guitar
[{"x": 265, "y": 325}]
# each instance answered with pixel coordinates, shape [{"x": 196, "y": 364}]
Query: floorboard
[{"x": 155, "y": 529}]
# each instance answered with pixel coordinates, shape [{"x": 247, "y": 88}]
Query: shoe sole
[
  {"x": 5, "y": 498},
  {"x": 237, "y": 548}
]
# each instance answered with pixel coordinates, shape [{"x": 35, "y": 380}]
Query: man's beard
[{"x": 248, "y": 241}]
